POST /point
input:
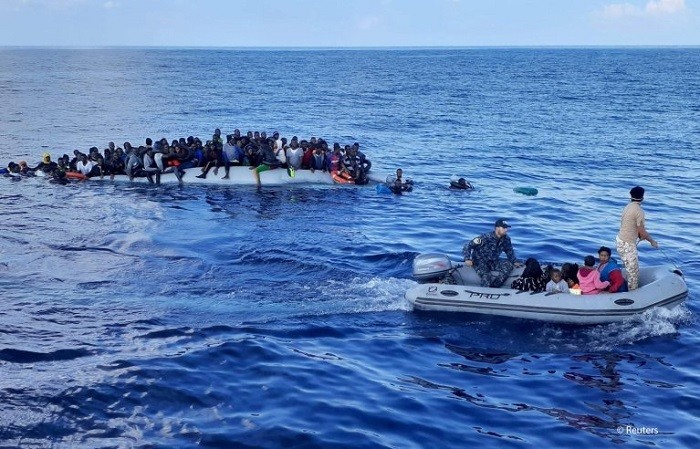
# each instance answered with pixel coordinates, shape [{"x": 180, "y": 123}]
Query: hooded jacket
[{"x": 589, "y": 280}]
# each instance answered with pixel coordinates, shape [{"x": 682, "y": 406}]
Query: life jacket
[{"x": 334, "y": 163}]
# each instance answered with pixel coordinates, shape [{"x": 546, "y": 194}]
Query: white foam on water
[
  {"x": 360, "y": 295},
  {"x": 652, "y": 323}
]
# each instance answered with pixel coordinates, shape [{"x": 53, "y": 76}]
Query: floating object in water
[
  {"x": 76, "y": 175},
  {"x": 384, "y": 189},
  {"x": 460, "y": 184},
  {"x": 339, "y": 178},
  {"x": 529, "y": 191}
]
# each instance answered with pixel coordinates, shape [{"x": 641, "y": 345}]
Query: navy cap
[{"x": 502, "y": 223}]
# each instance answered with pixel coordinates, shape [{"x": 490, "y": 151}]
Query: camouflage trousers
[
  {"x": 493, "y": 274},
  {"x": 630, "y": 260}
]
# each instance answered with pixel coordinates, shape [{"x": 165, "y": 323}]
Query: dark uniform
[{"x": 484, "y": 251}]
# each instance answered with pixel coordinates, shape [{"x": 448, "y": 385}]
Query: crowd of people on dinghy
[{"x": 345, "y": 164}]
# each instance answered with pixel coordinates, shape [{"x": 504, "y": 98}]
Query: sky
[{"x": 349, "y": 23}]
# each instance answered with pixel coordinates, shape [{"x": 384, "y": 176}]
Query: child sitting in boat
[
  {"x": 533, "y": 278},
  {"x": 574, "y": 288},
  {"x": 589, "y": 278},
  {"x": 557, "y": 284}
]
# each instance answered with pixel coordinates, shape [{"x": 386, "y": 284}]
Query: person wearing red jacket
[{"x": 610, "y": 271}]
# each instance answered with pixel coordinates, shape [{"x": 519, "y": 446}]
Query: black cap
[
  {"x": 637, "y": 193},
  {"x": 501, "y": 223}
]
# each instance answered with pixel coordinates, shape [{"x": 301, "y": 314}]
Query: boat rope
[
  {"x": 670, "y": 260},
  {"x": 673, "y": 262}
]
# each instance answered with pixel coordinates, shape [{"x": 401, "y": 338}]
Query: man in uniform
[
  {"x": 483, "y": 252},
  {"x": 632, "y": 230}
]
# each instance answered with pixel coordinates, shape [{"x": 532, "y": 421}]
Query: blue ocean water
[{"x": 187, "y": 316}]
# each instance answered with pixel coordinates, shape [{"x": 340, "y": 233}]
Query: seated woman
[
  {"x": 610, "y": 271},
  {"x": 589, "y": 278},
  {"x": 533, "y": 278}
]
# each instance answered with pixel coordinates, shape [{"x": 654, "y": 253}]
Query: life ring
[
  {"x": 340, "y": 179},
  {"x": 76, "y": 175}
]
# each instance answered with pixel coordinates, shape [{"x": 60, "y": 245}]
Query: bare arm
[{"x": 644, "y": 235}]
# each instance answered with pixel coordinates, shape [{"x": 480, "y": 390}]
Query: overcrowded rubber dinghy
[
  {"x": 237, "y": 176},
  {"x": 447, "y": 286}
]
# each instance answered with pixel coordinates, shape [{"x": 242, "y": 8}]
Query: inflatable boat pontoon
[{"x": 660, "y": 286}]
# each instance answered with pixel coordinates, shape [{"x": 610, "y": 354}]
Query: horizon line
[{"x": 341, "y": 48}]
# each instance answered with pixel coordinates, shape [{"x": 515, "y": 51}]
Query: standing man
[
  {"x": 632, "y": 229},
  {"x": 483, "y": 253}
]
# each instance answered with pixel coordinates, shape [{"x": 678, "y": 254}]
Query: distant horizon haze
[{"x": 349, "y": 24}]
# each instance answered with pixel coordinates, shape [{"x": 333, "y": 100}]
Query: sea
[{"x": 139, "y": 316}]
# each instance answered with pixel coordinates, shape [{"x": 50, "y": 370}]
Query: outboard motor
[{"x": 428, "y": 268}]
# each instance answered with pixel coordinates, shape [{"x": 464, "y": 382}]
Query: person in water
[
  {"x": 399, "y": 184},
  {"x": 12, "y": 168},
  {"x": 460, "y": 184},
  {"x": 46, "y": 165},
  {"x": 483, "y": 254}
]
